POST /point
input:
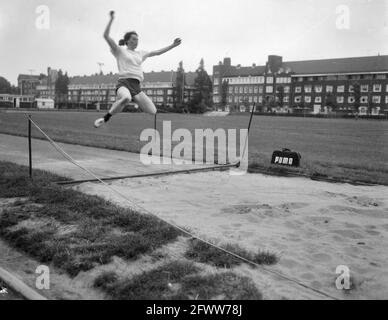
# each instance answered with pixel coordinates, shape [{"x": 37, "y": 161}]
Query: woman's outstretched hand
[{"x": 177, "y": 42}]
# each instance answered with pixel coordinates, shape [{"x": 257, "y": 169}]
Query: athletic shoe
[{"x": 99, "y": 122}]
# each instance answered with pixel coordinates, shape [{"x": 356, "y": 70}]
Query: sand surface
[{"x": 313, "y": 226}]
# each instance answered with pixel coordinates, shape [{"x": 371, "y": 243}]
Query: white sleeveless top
[{"x": 129, "y": 63}]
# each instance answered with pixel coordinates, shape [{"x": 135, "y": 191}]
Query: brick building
[
  {"x": 46, "y": 86},
  {"x": 313, "y": 86},
  {"x": 27, "y": 84},
  {"x": 101, "y": 89}
]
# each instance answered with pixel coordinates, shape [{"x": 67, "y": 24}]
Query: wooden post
[{"x": 29, "y": 146}]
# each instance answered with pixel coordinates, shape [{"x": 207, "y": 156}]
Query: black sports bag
[{"x": 286, "y": 157}]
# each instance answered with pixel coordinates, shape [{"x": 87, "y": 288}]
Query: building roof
[
  {"x": 236, "y": 71},
  {"x": 343, "y": 65},
  {"x": 161, "y": 76},
  {"x": 94, "y": 79},
  {"x": 325, "y": 66},
  {"x": 28, "y": 77}
]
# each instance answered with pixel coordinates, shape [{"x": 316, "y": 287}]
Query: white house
[{"x": 44, "y": 103}]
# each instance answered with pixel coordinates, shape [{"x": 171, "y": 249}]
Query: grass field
[
  {"x": 78, "y": 233},
  {"x": 341, "y": 148}
]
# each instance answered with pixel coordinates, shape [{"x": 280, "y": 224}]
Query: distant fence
[
  {"x": 321, "y": 116},
  {"x": 26, "y": 106}
]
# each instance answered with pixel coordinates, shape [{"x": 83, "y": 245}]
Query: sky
[{"x": 247, "y": 31}]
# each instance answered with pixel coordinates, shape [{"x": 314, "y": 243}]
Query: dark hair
[{"x": 127, "y": 36}]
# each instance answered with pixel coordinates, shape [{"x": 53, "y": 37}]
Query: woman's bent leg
[
  {"x": 145, "y": 103},
  {"x": 123, "y": 97}
]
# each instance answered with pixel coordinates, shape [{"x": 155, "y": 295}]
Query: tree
[
  {"x": 180, "y": 84},
  {"x": 330, "y": 100},
  {"x": 224, "y": 92},
  {"x": 203, "y": 90},
  {"x": 280, "y": 96},
  {"x": 357, "y": 96},
  {"x": 61, "y": 86},
  {"x": 5, "y": 86}
]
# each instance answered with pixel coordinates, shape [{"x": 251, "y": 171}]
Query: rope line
[{"x": 133, "y": 205}]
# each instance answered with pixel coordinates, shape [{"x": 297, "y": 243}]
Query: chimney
[{"x": 227, "y": 62}]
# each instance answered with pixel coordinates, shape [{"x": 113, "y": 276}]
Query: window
[
  {"x": 381, "y": 76},
  {"x": 235, "y": 99},
  {"x": 260, "y": 99},
  {"x": 364, "y": 88},
  {"x": 286, "y": 99},
  {"x": 364, "y": 99},
  {"x": 341, "y": 89},
  {"x": 215, "y": 90},
  {"x": 216, "y": 81},
  {"x": 376, "y": 99},
  {"x": 286, "y": 89},
  {"x": 298, "y": 99},
  {"x": 269, "y": 89},
  {"x": 245, "y": 89},
  {"x": 250, "y": 99},
  {"x": 386, "y": 99},
  {"x": 340, "y": 99},
  {"x": 307, "y": 99},
  {"x": 230, "y": 89},
  {"x": 318, "y": 99},
  {"x": 351, "y": 100},
  {"x": 300, "y": 79},
  {"x": 255, "y": 89},
  {"x": 261, "y": 89},
  {"x": 298, "y": 89},
  {"x": 169, "y": 92},
  {"x": 255, "y": 99},
  {"x": 307, "y": 89},
  {"x": 318, "y": 89},
  {"x": 160, "y": 92},
  {"x": 351, "y": 88},
  {"x": 235, "y": 89},
  {"x": 329, "y": 88},
  {"x": 269, "y": 79},
  {"x": 250, "y": 89},
  {"x": 377, "y": 88}
]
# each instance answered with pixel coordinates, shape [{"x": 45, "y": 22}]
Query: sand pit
[{"x": 313, "y": 226}]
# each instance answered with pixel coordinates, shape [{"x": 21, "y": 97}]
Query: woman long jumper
[{"x": 129, "y": 63}]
